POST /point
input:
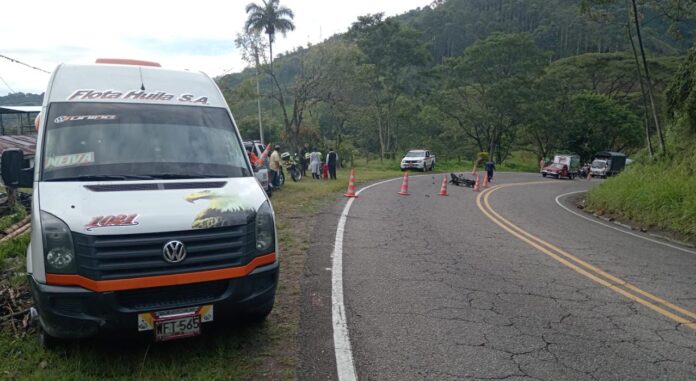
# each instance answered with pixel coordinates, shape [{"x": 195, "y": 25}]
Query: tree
[
  {"x": 269, "y": 18},
  {"x": 253, "y": 53},
  {"x": 677, "y": 11},
  {"x": 396, "y": 55},
  {"x": 681, "y": 102},
  {"x": 485, "y": 90},
  {"x": 595, "y": 122}
]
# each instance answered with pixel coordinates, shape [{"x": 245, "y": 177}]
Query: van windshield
[{"x": 115, "y": 141}]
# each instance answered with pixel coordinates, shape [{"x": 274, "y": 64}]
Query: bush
[
  {"x": 660, "y": 194},
  {"x": 17, "y": 213}
]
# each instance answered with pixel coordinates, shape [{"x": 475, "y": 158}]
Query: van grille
[
  {"x": 137, "y": 255},
  {"x": 172, "y": 296}
]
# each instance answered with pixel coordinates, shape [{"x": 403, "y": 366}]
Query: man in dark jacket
[
  {"x": 490, "y": 167},
  {"x": 332, "y": 160}
]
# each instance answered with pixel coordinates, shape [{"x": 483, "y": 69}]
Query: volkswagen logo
[{"x": 174, "y": 251}]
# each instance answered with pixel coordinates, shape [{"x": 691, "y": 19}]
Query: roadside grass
[
  {"x": 517, "y": 161},
  {"x": 659, "y": 195},
  {"x": 233, "y": 352},
  {"x": 17, "y": 214}
]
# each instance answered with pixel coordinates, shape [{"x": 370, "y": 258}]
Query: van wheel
[
  {"x": 259, "y": 315},
  {"x": 47, "y": 341}
]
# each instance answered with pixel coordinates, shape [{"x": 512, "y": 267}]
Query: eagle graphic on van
[{"x": 223, "y": 210}]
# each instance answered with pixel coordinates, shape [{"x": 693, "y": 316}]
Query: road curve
[{"x": 448, "y": 288}]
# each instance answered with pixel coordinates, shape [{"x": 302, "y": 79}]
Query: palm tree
[{"x": 269, "y": 18}]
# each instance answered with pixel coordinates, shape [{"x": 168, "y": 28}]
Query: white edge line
[
  {"x": 558, "y": 198},
  {"x": 345, "y": 366}
]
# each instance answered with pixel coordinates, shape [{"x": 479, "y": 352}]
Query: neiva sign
[{"x": 136, "y": 95}]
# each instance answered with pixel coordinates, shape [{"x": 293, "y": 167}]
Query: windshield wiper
[{"x": 103, "y": 178}]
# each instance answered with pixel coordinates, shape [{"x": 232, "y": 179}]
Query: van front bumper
[{"x": 75, "y": 312}]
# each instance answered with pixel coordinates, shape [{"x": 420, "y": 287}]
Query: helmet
[{"x": 285, "y": 156}]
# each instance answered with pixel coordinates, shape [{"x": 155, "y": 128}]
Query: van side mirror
[{"x": 13, "y": 173}]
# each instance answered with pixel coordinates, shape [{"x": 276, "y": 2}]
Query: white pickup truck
[{"x": 423, "y": 160}]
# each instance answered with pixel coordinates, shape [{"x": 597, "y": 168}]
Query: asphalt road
[{"x": 500, "y": 285}]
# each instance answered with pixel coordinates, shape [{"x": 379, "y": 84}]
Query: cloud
[
  {"x": 195, "y": 35},
  {"x": 185, "y": 46}
]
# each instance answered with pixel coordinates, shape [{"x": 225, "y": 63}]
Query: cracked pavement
[{"x": 435, "y": 290}]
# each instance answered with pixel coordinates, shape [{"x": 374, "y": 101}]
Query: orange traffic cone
[
  {"x": 485, "y": 181},
  {"x": 351, "y": 185},
  {"x": 477, "y": 185},
  {"x": 443, "y": 188},
  {"x": 404, "y": 185}
]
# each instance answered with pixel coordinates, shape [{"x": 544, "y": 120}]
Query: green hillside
[
  {"x": 465, "y": 76},
  {"x": 21, "y": 99}
]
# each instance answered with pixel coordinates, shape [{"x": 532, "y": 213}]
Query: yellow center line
[
  {"x": 578, "y": 265},
  {"x": 615, "y": 280}
]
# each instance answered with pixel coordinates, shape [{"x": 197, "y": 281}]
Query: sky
[{"x": 195, "y": 35}]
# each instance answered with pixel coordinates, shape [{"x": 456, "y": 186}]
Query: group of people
[
  {"x": 312, "y": 159},
  {"x": 309, "y": 159}
]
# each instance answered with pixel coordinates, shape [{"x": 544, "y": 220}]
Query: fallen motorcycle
[{"x": 460, "y": 179}]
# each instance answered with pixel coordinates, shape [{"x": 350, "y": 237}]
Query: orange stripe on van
[{"x": 160, "y": 280}]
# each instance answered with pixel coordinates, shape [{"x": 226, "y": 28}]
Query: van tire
[
  {"x": 48, "y": 342},
  {"x": 259, "y": 315}
]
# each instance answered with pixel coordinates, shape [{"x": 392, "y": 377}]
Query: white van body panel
[
  {"x": 156, "y": 210},
  {"x": 159, "y": 210},
  {"x": 133, "y": 84}
]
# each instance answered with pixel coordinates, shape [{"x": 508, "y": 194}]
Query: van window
[{"x": 115, "y": 141}]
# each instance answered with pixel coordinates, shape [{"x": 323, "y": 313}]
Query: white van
[{"x": 146, "y": 216}]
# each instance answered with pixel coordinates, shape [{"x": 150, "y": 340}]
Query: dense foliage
[
  {"x": 662, "y": 193},
  {"x": 465, "y": 76}
]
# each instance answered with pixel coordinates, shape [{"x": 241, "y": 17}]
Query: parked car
[
  {"x": 423, "y": 160},
  {"x": 261, "y": 171}
]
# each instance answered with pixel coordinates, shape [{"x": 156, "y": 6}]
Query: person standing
[
  {"x": 315, "y": 164},
  {"x": 490, "y": 167},
  {"x": 304, "y": 159},
  {"x": 331, "y": 161},
  {"x": 275, "y": 166}
]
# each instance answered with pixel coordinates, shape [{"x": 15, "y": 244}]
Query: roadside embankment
[{"x": 660, "y": 195}]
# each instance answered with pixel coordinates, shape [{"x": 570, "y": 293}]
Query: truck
[
  {"x": 607, "y": 163},
  {"x": 147, "y": 218},
  {"x": 563, "y": 166}
]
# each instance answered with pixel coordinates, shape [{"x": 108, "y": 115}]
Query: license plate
[
  {"x": 175, "y": 324},
  {"x": 176, "y": 328}
]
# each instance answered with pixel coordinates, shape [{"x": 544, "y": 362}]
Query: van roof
[{"x": 132, "y": 84}]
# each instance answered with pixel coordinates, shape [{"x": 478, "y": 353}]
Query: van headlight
[
  {"x": 265, "y": 229},
  {"x": 59, "y": 251}
]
